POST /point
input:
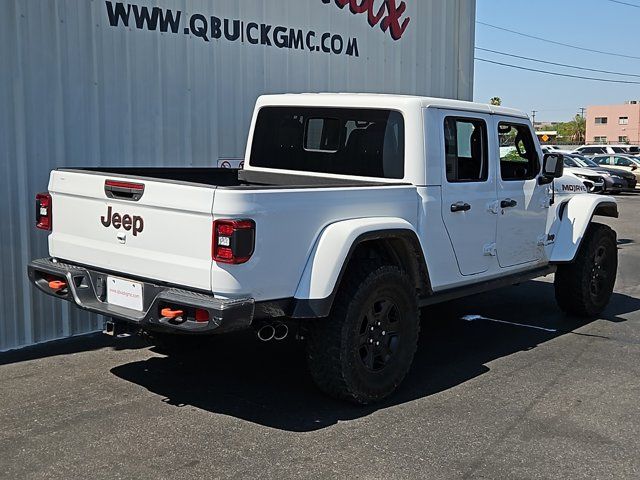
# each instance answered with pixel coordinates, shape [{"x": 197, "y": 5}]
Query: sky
[{"x": 595, "y": 24}]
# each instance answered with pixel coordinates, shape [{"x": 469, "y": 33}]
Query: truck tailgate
[{"x": 165, "y": 235}]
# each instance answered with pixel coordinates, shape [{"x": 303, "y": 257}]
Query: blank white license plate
[{"x": 124, "y": 293}]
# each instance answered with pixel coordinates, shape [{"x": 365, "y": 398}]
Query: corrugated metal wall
[{"x": 77, "y": 91}]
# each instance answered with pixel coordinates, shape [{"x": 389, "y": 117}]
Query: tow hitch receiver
[
  {"x": 118, "y": 329},
  {"x": 109, "y": 328}
]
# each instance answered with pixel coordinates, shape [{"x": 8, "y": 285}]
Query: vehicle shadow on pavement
[
  {"x": 68, "y": 346},
  {"x": 268, "y": 384}
]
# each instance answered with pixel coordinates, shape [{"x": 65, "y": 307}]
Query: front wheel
[
  {"x": 584, "y": 287},
  {"x": 363, "y": 351}
]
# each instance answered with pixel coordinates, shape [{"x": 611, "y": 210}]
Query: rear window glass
[
  {"x": 465, "y": 141},
  {"x": 362, "y": 142}
]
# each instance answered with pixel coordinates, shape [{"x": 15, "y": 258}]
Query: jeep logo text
[{"x": 128, "y": 222}]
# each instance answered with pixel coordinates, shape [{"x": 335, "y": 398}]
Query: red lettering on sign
[{"x": 388, "y": 15}]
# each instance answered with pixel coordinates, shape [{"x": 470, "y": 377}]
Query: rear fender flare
[
  {"x": 332, "y": 252},
  {"x": 574, "y": 217}
]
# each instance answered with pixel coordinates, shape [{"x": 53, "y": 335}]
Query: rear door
[
  {"x": 523, "y": 204},
  {"x": 469, "y": 189},
  {"x": 147, "y": 228}
]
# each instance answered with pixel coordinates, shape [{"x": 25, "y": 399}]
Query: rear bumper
[{"x": 87, "y": 289}]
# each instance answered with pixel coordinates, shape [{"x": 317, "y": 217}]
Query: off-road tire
[
  {"x": 584, "y": 287},
  {"x": 340, "y": 359}
]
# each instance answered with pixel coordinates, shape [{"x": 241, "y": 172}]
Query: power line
[
  {"x": 576, "y": 47},
  {"x": 557, "y": 64},
  {"x": 625, "y": 3},
  {"x": 627, "y": 82},
  {"x": 556, "y": 109}
]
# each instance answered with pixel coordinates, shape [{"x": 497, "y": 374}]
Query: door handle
[
  {"x": 460, "y": 207},
  {"x": 508, "y": 203}
]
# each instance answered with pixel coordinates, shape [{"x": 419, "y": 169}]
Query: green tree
[
  {"x": 574, "y": 130},
  {"x": 497, "y": 101}
]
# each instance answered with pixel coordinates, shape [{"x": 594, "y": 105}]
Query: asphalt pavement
[{"x": 553, "y": 397}]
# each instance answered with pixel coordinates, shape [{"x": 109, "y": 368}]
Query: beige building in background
[{"x": 614, "y": 123}]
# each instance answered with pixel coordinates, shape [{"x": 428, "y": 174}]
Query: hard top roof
[{"x": 377, "y": 100}]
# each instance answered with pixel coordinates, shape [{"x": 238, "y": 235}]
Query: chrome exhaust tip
[
  {"x": 266, "y": 333},
  {"x": 280, "y": 331}
]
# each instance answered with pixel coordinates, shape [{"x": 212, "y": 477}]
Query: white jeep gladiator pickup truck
[{"x": 353, "y": 211}]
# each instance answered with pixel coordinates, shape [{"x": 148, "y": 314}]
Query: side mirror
[
  {"x": 633, "y": 168},
  {"x": 553, "y": 167}
]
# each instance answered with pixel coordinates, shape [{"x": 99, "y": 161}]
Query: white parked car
[
  {"x": 591, "y": 150},
  {"x": 595, "y": 182},
  {"x": 353, "y": 211},
  {"x": 554, "y": 149}
]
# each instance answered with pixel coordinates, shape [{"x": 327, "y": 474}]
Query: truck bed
[
  {"x": 174, "y": 213},
  {"x": 225, "y": 177}
]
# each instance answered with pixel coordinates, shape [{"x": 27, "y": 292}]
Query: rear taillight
[
  {"x": 233, "y": 240},
  {"x": 44, "y": 212}
]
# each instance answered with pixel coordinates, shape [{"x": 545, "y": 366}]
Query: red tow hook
[
  {"x": 57, "y": 285},
  {"x": 173, "y": 314}
]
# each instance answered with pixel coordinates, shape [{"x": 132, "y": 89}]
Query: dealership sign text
[{"x": 387, "y": 13}]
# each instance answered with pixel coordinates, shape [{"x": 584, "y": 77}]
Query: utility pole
[
  {"x": 582, "y": 109},
  {"x": 582, "y": 136}
]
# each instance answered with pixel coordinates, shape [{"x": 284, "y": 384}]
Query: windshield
[
  {"x": 589, "y": 162},
  {"x": 576, "y": 161}
]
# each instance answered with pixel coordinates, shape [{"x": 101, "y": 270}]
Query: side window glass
[
  {"x": 466, "y": 150},
  {"x": 518, "y": 156},
  {"x": 623, "y": 162}
]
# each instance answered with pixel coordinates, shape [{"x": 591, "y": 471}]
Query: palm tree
[{"x": 573, "y": 130}]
